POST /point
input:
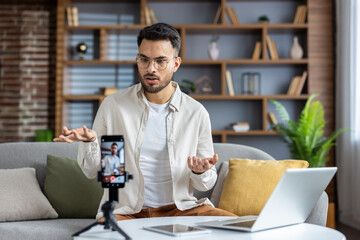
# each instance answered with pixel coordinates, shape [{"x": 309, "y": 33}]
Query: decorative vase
[
  {"x": 296, "y": 52},
  {"x": 213, "y": 50}
]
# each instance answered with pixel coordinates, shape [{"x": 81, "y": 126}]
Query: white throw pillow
[
  {"x": 21, "y": 197},
  {"x": 216, "y": 194}
]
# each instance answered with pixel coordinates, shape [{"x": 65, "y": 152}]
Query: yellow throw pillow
[{"x": 250, "y": 183}]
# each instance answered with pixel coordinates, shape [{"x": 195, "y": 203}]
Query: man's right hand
[{"x": 75, "y": 135}]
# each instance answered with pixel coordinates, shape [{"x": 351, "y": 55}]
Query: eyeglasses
[{"x": 144, "y": 63}]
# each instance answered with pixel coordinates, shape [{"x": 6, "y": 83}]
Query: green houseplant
[
  {"x": 264, "y": 19},
  {"x": 305, "y": 138},
  {"x": 187, "y": 86}
]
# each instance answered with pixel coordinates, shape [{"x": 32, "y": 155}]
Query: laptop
[{"x": 290, "y": 203}]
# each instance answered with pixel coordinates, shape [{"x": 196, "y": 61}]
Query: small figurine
[{"x": 81, "y": 49}]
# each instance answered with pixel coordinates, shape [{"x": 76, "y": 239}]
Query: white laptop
[{"x": 290, "y": 203}]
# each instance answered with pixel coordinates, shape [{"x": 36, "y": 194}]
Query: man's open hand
[
  {"x": 198, "y": 165},
  {"x": 75, "y": 135}
]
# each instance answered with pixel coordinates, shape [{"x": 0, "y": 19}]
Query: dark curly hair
[{"x": 161, "y": 31}]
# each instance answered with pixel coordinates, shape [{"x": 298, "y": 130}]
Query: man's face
[
  {"x": 152, "y": 79},
  {"x": 113, "y": 149}
]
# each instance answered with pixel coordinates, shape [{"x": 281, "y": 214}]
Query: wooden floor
[{"x": 349, "y": 232}]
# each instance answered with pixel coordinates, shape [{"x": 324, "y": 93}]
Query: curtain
[{"x": 348, "y": 110}]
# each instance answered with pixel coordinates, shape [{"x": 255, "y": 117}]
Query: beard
[{"x": 154, "y": 88}]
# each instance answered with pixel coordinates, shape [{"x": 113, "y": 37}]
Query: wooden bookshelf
[
  {"x": 64, "y": 61},
  {"x": 102, "y": 31}
]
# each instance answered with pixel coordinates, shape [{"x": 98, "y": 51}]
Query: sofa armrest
[{"x": 318, "y": 215}]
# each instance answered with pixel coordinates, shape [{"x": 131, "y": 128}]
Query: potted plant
[
  {"x": 187, "y": 86},
  {"x": 264, "y": 19},
  {"x": 305, "y": 138}
]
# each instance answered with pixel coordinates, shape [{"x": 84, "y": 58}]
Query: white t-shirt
[
  {"x": 154, "y": 159},
  {"x": 111, "y": 164}
]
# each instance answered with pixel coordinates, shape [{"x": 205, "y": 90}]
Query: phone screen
[{"x": 112, "y": 161}]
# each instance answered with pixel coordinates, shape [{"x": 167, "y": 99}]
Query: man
[
  {"x": 163, "y": 128},
  {"x": 111, "y": 163}
]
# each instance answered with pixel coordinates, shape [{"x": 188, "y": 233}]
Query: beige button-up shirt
[{"x": 188, "y": 133}]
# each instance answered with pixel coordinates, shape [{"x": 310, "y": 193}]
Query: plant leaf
[{"x": 284, "y": 115}]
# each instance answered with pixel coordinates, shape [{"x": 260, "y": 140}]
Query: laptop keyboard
[{"x": 246, "y": 224}]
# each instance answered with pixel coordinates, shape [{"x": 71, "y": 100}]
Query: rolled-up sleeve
[
  {"x": 89, "y": 152},
  {"x": 89, "y": 158},
  {"x": 204, "y": 181}
]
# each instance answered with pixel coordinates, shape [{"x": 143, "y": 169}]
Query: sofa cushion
[
  {"x": 69, "y": 191},
  {"x": 249, "y": 183},
  {"x": 21, "y": 197}
]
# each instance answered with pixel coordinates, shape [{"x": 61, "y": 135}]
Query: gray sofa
[{"x": 20, "y": 155}]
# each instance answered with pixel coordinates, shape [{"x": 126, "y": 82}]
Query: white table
[{"x": 134, "y": 229}]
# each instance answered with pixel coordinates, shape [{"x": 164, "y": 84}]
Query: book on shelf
[
  {"x": 272, "y": 118},
  {"x": 107, "y": 91},
  {"x": 218, "y": 14},
  {"x": 293, "y": 85},
  {"x": 153, "y": 16},
  {"x": 230, "y": 84},
  {"x": 232, "y": 15},
  {"x": 257, "y": 51},
  {"x": 75, "y": 16},
  {"x": 240, "y": 126},
  {"x": 149, "y": 16},
  {"x": 300, "y": 15},
  {"x": 272, "y": 48},
  {"x": 301, "y": 83},
  {"x": 297, "y": 84},
  {"x": 303, "y": 15},
  {"x": 72, "y": 15},
  {"x": 297, "y": 15},
  {"x": 69, "y": 16},
  {"x": 273, "y": 45}
]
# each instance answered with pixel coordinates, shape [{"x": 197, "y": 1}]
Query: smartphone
[
  {"x": 112, "y": 161},
  {"x": 178, "y": 230}
]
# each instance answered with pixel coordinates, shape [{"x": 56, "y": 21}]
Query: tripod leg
[
  {"x": 118, "y": 229},
  {"x": 87, "y": 228}
]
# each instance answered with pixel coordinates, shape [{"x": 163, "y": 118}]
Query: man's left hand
[{"x": 199, "y": 166}]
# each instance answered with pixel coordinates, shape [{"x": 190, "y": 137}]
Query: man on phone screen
[
  {"x": 169, "y": 148},
  {"x": 111, "y": 162}
]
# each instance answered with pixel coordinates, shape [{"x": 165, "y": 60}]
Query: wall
[{"x": 27, "y": 58}]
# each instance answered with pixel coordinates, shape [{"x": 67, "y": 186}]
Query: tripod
[{"x": 107, "y": 209}]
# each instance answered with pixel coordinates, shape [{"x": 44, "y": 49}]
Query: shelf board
[
  {"x": 287, "y": 26},
  {"x": 245, "y": 61},
  {"x": 251, "y": 132},
  {"x": 98, "y": 27},
  {"x": 70, "y": 97},
  {"x": 70, "y": 62},
  {"x": 249, "y": 97},
  {"x": 197, "y": 26}
]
